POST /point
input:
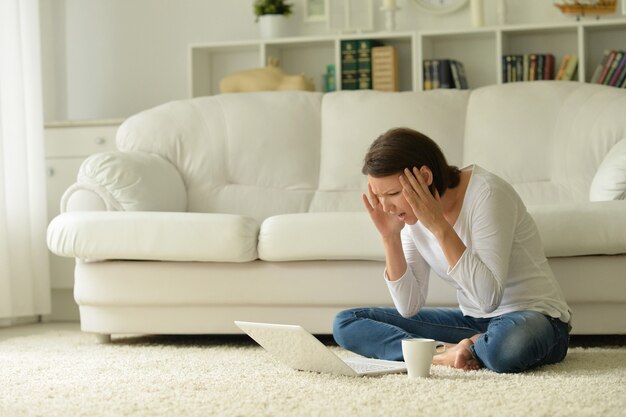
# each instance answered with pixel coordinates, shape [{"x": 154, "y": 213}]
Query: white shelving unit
[
  {"x": 209, "y": 63},
  {"x": 480, "y": 50}
]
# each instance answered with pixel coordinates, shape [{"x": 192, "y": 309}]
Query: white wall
[{"x": 112, "y": 58}]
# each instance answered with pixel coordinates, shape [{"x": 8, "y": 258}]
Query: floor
[{"x": 32, "y": 329}]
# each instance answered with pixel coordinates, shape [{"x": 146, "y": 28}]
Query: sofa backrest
[
  {"x": 252, "y": 154},
  {"x": 352, "y": 120},
  {"x": 268, "y": 153},
  {"x": 262, "y": 154},
  {"x": 547, "y": 138}
]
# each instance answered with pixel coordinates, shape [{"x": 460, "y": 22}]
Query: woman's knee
[
  {"x": 516, "y": 342},
  {"x": 340, "y": 326}
]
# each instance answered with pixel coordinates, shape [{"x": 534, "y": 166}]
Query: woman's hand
[
  {"x": 388, "y": 225},
  {"x": 426, "y": 207}
]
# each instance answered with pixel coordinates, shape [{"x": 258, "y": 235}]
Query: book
[
  {"x": 540, "y": 67},
  {"x": 349, "y": 65},
  {"x": 548, "y": 69},
  {"x": 526, "y": 67},
  {"x": 607, "y": 66},
  {"x": 519, "y": 68},
  {"x": 460, "y": 69},
  {"x": 445, "y": 74},
  {"x": 454, "y": 70},
  {"x": 616, "y": 60},
  {"x": 385, "y": 68},
  {"x": 619, "y": 70},
  {"x": 570, "y": 69},
  {"x": 563, "y": 67},
  {"x": 600, "y": 67},
  {"x": 427, "y": 68},
  {"x": 506, "y": 68},
  {"x": 532, "y": 72},
  {"x": 621, "y": 83},
  {"x": 364, "y": 63},
  {"x": 434, "y": 73}
]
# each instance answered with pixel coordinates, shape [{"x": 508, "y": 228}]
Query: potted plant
[{"x": 272, "y": 17}]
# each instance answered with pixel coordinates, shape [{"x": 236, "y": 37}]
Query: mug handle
[{"x": 440, "y": 348}]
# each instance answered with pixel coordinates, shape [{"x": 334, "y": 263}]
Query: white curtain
[{"x": 24, "y": 275}]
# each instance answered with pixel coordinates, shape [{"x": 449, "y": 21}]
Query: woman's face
[{"x": 389, "y": 192}]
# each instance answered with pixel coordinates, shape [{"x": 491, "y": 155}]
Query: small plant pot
[{"x": 273, "y": 26}]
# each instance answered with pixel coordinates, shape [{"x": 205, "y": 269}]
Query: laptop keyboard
[{"x": 368, "y": 367}]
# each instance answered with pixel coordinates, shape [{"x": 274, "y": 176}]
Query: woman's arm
[
  {"x": 406, "y": 271},
  {"x": 482, "y": 272},
  {"x": 409, "y": 291}
]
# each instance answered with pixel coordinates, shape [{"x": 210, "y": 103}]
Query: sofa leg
[{"x": 103, "y": 338}]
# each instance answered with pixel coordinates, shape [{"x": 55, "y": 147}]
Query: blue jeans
[{"x": 512, "y": 342}]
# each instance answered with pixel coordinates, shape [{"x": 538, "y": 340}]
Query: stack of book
[
  {"x": 444, "y": 73},
  {"x": 366, "y": 65},
  {"x": 611, "y": 70},
  {"x": 527, "y": 67}
]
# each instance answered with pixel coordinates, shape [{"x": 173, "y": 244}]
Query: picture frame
[
  {"x": 315, "y": 10},
  {"x": 351, "y": 16}
]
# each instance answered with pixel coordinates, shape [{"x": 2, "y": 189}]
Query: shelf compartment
[
  {"x": 209, "y": 64},
  {"x": 598, "y": 38},
  {"x": 558, "y": 41},
  {"x": 308, "y": 58},
  {"x": 476, "y": 50}
]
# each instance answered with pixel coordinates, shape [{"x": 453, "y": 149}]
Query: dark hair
[{"x": 402, "y": 148}]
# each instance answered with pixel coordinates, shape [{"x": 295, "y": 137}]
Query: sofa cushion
[
  {"x": 233, "y": 150},
  {"x": 577, "y": 229},
  {"x": 351, "y": 120},
  {"x": 609, "y": 183},
  {"x": 546, "y": 138},
  {"x": 320, "y": 236},
  {"x": 158, "y": 236}
]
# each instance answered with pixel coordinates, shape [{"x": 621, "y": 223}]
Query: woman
[{"x": 472, "y": 229}]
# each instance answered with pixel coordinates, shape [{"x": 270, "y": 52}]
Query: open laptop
[{"x": 299, "y": 349}]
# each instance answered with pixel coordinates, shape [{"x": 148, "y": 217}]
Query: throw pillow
[{"x": 609, "y": 183}]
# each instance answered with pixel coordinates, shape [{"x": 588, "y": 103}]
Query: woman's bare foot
[{"x": 458, "y": 356}]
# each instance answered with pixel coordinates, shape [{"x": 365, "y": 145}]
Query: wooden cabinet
[{"x": 480, "y": 50}]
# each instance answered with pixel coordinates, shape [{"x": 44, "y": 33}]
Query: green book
[
  {"x": 364, "y": 63},
  {"x": 349, "y": 65}
]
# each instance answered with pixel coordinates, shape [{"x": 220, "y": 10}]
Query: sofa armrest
[{"x": 126, "y": 181}]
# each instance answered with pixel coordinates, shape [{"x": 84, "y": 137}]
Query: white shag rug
[{"x": 65, "y": 373}]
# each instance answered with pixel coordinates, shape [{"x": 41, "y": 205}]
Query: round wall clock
[{"x": 440, "y": 6}]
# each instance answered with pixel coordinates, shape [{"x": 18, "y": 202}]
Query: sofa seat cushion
[
  {"x": 320, "y": 236},
  {"x": 158, "y": 236},
  {"x": 577, "y": 229}
]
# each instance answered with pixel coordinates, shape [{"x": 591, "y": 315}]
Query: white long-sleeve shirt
[{"x": 503, "y": 269}]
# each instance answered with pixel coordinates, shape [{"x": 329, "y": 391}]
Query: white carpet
[{"x": 65, "y": 373}]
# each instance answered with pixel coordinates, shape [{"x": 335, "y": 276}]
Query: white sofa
[{"x": 247, "y": 206}]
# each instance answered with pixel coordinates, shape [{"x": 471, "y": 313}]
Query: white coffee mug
[{"x": 418, "y": 356}]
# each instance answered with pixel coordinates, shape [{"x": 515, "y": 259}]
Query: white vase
[
  {"x": 477, "y": 10},
  {"x": 273, "y": 26}
]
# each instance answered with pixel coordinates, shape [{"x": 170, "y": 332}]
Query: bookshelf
[
  {"x": 479, "y": 49},
  {"x": 210, "y": 62}
]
